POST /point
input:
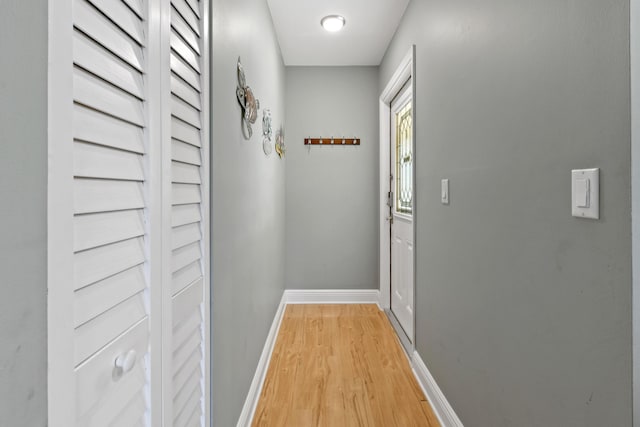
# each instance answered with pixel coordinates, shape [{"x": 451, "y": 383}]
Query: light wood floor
[{"x": 340, "y": 366}]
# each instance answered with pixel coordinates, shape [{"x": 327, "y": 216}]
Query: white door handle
[{"x": 126, "y": 361}]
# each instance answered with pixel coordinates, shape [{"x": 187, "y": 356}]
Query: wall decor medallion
[
  {"x": 267, "y": 132},
  {"x": 280, "y": 148},
  {"x": 250, "y": 105}
]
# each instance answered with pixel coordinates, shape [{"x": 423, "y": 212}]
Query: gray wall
[
  {"x": 23, "y": 195},
  {"x": 247, "y": 202},
  {"x": 332, "y": 195},
  {"x": 523, "y": 312}
]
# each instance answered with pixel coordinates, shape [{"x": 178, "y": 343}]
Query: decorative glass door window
[{"x": 404, "y": 160}]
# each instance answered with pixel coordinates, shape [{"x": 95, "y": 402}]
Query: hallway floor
[{"x": 340, "y": 365}]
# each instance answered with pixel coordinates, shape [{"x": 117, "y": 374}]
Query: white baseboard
[
  {"x": 250, "y": 404},
  {"x": 332, "y": 296},
  {"x": 441, "y": 407}
]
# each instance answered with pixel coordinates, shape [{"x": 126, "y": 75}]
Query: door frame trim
[
  {"x": 405, "y": 71},
  {"x": 634, "y": 31},
  {"x": 61, "y": 387}
]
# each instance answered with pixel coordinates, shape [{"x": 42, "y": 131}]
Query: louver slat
[
  {"x": 123, "y": 17},
  {"x": 185, "y": 133},
  {"x": 106, "y": 65},
  {"x": 136, "y": 6},
  {"x": 187, "y": 234},
  {"x": 195, "y": 7},
  {"x": 95, "y": 93},
  {"x": 184, "y": 194},
  {"x": 186, "y": 276},
  {"x": 185, "y": 52},
  {"x": 91, "y": 231},
  {"x": 185, "y": 256},
  {"x": 185, "y": 112},
  {"x": 185, "y": 153},
  {"x": 182, "y": 28},
  {"x": 95, "y": 161},
  {"x": 93, "y": 300},
  {"x": 185, "y": 72},
  {"x": 185, "y": 92},
  {"x": 94, "y": 195},
  {"x": 184, "y": 371},
  {"x": 97, "y": 128},
  {"x": 97, "y": 264},
  {"x": 186, "y": 302},
  {"x": 99, "y": 28},
  {"x": 185, "y": 214},
  {"x": 94, "y": 335},
  {"x": 185, "y": 11},
  {"x": 182, "y": 331}
]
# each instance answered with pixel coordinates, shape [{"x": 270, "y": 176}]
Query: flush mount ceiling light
[{"x": 333, "y": 23}]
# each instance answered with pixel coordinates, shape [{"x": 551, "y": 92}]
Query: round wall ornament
[
  {"x": 267, "y": 132},
  {"x": 280, "y": 148},
  {"x": 248, "y": 102}
]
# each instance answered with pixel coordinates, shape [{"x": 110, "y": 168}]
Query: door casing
[{"x": 404, "y": 72}]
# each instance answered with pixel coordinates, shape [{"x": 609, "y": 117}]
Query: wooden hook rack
[{"x": 332, "y": 141}]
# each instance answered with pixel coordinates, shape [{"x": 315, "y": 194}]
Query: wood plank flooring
[{"x": 340, "y": 366}]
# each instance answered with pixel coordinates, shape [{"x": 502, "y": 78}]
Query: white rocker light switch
[{"x": 585, "y": 193}]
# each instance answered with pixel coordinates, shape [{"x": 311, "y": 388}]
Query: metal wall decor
[
  {"x": 280, "y": 148},
  {"x": 267, "y": 132},
  {"x": 250, "y": 105}
]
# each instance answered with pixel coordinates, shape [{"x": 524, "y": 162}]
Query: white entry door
[{"x": 402, "y": 210}]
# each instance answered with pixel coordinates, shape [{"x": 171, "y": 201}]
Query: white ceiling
[{"x": 363, "y": 41}]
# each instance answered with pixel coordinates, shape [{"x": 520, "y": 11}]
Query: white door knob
[{"x": 126, "y": 361}]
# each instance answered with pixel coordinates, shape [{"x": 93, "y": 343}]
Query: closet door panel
[
  {"x": 188, "y": 149},
  {"x": 111, "y": 180}
]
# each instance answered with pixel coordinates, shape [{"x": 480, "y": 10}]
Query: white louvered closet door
[
  {"x": 187, "y": 228},
  {"x": 111, "y": 317},
  {"x": 127, "y": 213}
]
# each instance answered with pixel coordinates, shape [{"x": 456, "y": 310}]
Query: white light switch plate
[
  {"x": 585, "y": 193},
  {"x": 444, "y": 192}
]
